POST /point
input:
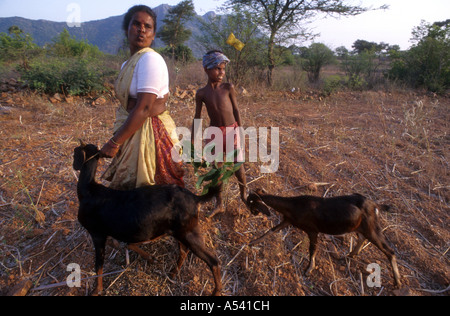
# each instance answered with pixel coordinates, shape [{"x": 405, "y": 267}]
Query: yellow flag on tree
[{"x": 233, "y": 41}]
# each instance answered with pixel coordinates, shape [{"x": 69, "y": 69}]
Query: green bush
[
  {"x": 70, "y": 67},
  {"x": 65, "y": 75},
  {"x": 361, "y": 69},
  {"x": 332, "y": 84},
  {"x": 65, "y": 45},
  {"x": 357, "y": 83}
]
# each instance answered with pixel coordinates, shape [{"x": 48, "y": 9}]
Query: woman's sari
[{"x": 145, "y": 158}]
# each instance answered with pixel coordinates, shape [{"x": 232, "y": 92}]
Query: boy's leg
[{"x": 240, "y": 175}]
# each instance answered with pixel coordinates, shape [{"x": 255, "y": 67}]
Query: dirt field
[{"x": 393, "y": 148}]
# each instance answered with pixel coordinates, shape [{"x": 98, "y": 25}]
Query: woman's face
[{"x": 141, "y": 31}]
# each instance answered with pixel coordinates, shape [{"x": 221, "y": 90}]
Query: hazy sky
[
  {"x": 393, "y": 26},
  {"x": 57, "y": 10}
]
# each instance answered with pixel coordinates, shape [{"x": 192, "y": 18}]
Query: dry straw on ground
[{"x": 393, "y": 148}]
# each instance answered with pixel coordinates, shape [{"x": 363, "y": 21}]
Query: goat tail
[{"x": 212, "y": 192}]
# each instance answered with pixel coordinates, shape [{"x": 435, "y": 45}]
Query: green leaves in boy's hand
[{"x": 216, "y": 173}]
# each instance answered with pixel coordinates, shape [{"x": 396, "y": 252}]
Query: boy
[{"x": 221, "y": 105}]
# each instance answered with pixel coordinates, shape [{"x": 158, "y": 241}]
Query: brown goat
[{"x": 332, "y": 216}]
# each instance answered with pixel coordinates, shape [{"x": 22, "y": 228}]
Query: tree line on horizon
[{"x": 270, "y": 30}]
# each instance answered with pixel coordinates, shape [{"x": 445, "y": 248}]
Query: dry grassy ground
[{"x": 393, "y": 148}]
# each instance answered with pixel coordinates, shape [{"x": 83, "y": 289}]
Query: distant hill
[{"x": 107, "y": 34}]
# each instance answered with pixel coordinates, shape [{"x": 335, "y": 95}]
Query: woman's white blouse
[{"x": 150, "y": 76}]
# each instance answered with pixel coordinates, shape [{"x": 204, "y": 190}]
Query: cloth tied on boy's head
[{"x": 214, "y": 59}]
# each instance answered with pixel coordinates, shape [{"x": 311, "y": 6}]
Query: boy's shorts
[{"x": 233, "y": 133}]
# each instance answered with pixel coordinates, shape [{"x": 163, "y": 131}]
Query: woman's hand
[
  {"x": 147, "y": 105},
  {"x": 109, "y": 150}
]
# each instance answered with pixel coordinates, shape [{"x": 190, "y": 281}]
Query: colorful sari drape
[{"x": 145, "y": 158}]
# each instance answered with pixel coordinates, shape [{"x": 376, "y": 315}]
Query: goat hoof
[
  {"x": 216, "y": 293},
  {"x": 173, "y": 274},
  {"x": 309, "y": 271},
  {"x": 97, "y": 292}
]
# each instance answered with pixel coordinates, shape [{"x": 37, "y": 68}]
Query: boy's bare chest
[
  {"x": 220, "y": 109},
  {"x": 219, "y": 100},
  {"x": 220, "y": 105}
]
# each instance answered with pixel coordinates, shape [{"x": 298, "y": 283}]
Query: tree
[
  {"x": 315, "y": 57},
  {"x": 183, "y": 54},
  {"x": 363, "y": 65},
  {"x": 360, "y": 46},
  {"x": 16, "y": 45},
  {"x": 173, "y": 33},
  {"x": 283, "y": 19},
  {"x": 215, "y": 32},
  {"x": 427, "y": 63}
]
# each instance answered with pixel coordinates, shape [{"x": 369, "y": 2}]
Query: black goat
[
  {"x": 332, "y": 216},
  {"x": 139, "y": 216}
]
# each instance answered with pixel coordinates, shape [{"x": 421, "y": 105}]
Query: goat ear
[
  {"x": 79, "y": 157},
  {"x": 82, "y": 143}
]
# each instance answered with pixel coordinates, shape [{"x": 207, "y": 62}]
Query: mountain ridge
[{"x": 106, "y": 34}]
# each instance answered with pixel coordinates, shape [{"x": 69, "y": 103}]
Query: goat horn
[{"x": 82, "y": 143}]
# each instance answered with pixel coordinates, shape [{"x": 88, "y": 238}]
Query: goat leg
[
  {"x": 358, "y": 247},
  {"x": 312, "y": 252},
  {"x": 184, "y": 251},
  {"x": 194, "y": 241},
  {"x": 141, "y": 252},
  {"x": 396, "y": 272},
  {"x": 99, "y": 244},
  {"x": 377, "y": 238},
  {"x": 277, "y": 228}
]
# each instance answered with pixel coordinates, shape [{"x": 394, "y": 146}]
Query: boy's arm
[
  {"x": 198, "y": 111},
  {"x": 198, "y": 105},
  {"x": 233, "y": 99}
]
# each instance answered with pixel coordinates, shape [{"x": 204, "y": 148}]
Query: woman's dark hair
[{"x": 138, "y": 8}]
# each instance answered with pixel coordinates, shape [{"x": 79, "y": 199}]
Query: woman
[{"x": 144, "y": 132}]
